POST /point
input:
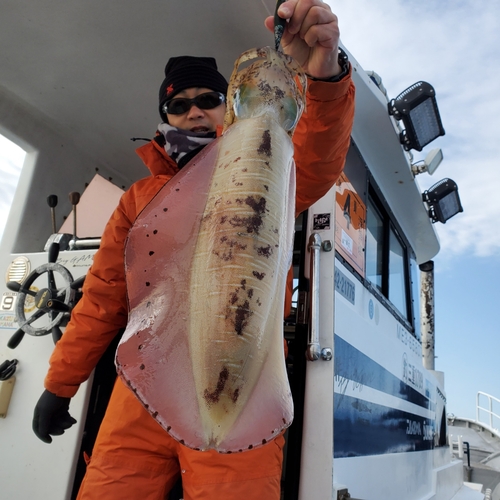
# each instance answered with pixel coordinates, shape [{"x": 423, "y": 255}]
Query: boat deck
[{"x": 484, "y": 449}]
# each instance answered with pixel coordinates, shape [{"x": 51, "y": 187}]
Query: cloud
[{"x": 453, "y": 46}]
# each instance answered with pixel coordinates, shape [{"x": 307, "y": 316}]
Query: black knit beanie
[{"x": 185, "y": 72}]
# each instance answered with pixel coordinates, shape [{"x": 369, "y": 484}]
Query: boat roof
[{"x": 93, "y": 69}]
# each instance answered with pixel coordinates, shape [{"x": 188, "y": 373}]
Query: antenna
[
  {"x": 74, "y": 198},
  {"x": 52, "y": 202}
]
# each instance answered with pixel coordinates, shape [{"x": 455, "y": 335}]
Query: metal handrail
[
  {"x": 489, "y": 411},
  {"x": 313, "y": 346}
]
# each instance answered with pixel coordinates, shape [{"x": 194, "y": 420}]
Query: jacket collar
[{"x": 157, "y": 160}]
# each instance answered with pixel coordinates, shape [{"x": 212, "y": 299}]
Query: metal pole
[
  {"x": 491, "y": 411},
  {"x": 477, "y": 407},
  {"x": 427, "y": 313}
]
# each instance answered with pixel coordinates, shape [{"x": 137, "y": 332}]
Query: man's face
[{"x": 196, "y": 119}]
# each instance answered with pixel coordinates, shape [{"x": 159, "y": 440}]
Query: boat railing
[{"x": 492, "y": 419}]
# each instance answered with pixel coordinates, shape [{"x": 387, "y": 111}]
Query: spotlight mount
[
  {"x": 443, "y": 201},
  {"x": 417, "y": 108},
  {"x": 430, "y": 164}
]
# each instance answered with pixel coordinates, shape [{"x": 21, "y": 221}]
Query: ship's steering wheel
[{"x": 57, "y": 300}]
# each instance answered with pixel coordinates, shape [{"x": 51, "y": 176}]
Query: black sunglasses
[{"x": 208, "y": 100}]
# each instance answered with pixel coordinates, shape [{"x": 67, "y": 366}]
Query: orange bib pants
[{"x": 135, "y": 459}]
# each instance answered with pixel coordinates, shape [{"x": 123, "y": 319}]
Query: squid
[{"x": 206, "y": 264}]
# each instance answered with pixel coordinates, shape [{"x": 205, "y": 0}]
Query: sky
[{"x": 454, "y": 45}]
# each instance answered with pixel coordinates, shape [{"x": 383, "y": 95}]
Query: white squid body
[{"x": 206, "y": 266}]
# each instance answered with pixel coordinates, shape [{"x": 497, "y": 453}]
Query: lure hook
[{"x": 279, "y": 26}]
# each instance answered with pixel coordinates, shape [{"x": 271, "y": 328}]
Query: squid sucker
[{"x": 206, "y": 265}]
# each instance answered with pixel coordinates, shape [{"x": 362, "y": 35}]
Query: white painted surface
[
  {"x": 316, "y": 477},
  {"x": 30, "y": 468}
]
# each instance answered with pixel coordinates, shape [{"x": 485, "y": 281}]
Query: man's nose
[{"x": 195, "y": 112}]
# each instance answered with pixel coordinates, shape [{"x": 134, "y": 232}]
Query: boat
[{"x": 78, "y": 81}]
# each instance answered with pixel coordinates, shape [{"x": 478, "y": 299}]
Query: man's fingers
[
  {"x": 57, "y": 430},
  {"x": 41, "y": 430},
  {"x": 40, "y": 425},
  {"x": 61, "y": 423},
  {"x": 306, "y": 15},
  {"x": 269, "y": 23},
  {"x": 319, "y": 19},
  {"x": 66, "y": 421},
  {"x": 318, "y": 35},
  {"x": 44, "y": 426},
  {"x": 300, "y": 11},
  {"x": 311, "y": 36},
  {"x": 45, "y": 438},
  {"x": 287, "y": 9}
]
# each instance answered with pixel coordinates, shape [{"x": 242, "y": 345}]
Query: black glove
[{"x": 51, "y": 416}]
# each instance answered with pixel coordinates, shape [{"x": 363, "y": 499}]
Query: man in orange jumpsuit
[{"x": 133, "y": 457}]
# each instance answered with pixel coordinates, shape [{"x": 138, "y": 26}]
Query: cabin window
[
  {"x": 374, "y": 245},
  {"x": 387, "y": 258},
  {"x": 368, "y": 240},
  {"x": 11, "y": 162},
  {"x": 397, "y": 275}
]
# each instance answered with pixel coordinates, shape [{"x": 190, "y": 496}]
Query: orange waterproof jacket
[{"x": 321, "y": 142}]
